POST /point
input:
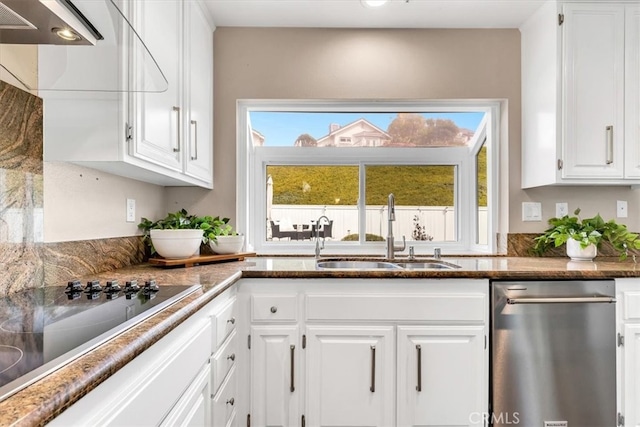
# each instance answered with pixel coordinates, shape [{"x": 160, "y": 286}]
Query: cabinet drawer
[
  {"x": 417, "y": 307},
  {"x": 223, "y": 360},
  {"x": 631, "y": 305},
  {"x": 224, "y": 402},
  {"x": 224, "y": 321},
  {"x": 274, "y": 308}
]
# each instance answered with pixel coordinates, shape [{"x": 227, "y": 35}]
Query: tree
[
  {"x": 407, "y": 129},
  {"x": 441, "y": 132},
  {"x": 306, "y": 140},
  {"x": 413, "y": 129}
]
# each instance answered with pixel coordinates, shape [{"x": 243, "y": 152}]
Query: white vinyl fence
[{"x": 439, "y": 221}]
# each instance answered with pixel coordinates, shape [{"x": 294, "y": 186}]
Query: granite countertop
[{"x": 48, "y": 397}]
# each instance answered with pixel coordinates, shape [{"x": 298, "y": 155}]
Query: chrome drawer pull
[
  {"x": 177, "y": 110},
  {"x": 609, "y": 144},
  {"x": 232, "y": 321},
  {"x": 373, "y": 369},
  {"x": 274, "y": 309},
  {"x": 419, "y": 349},
  {"x": 231, "y": 357},
  {"x": 292, "y": 386},
  {"x": 195, "y": 126},
  {"x": 231, "y": 401}
]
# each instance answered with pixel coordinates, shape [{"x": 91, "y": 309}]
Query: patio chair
[
  {"x": 276, "y": 233},
  {"x": 326, "y": 230}
]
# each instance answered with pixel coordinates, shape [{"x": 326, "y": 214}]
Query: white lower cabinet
[
  {"x": 171, "y": 383},
  {"x": 440, "y": 375},
  {"x": 361, "y": 352},
  {"x": 274, "y": 368},
  {"x": 350, "y": 375},
  {"x": 193, "y": 409},
  {"x": 628, "y": 329}
]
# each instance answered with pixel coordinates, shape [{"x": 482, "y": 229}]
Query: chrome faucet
[
  {"x": 318, "y": 235},
  {"x": 391, "y": 247}
]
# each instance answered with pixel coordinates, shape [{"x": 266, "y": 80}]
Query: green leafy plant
[
  {"x": 587, "y": 231},
  {"x": 211, "y": 226}
]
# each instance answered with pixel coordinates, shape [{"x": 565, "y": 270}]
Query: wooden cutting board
[{"x": 200, "y": 259}]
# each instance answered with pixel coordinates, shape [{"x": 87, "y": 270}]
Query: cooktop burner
[{"x": 45, "y": 328}]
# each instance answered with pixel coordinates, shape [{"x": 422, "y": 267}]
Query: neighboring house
[
  {"x": 257, "y": 138},
  {"x": 360, "y": 133}
]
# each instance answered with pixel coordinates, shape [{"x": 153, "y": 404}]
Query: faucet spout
[
  {"x": 318, "y": 248},
  {"x": 391, "y": 247}
]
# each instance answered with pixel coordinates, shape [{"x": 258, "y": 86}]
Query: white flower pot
[
  {"x": 578, "y": 253},
  {"x": 227, "y": 244},
  {"x": 175, "y": 244}
]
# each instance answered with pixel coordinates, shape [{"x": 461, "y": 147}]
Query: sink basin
[
  {"x": 427, "y": 265},
  {"x": 357, "y": 265}
]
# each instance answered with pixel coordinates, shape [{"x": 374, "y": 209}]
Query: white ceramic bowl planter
[
  {"x": 227, "y": 244},
  {"x": 175, "y": 244},
  {"x": 578, "y": 253}
]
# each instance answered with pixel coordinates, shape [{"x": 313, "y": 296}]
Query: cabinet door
[
  {"x": 593, "y": 91},
  {"x": 632, "y": 92},
  {"x": 442, "y": 375},
  {"x": 275, "y": 384},
  {"x": 350, "y": 372},
  {"x": 157, "y": 117},
  {"x": 631, "y": 375},
  {"x": 198, "y": 93},
  {"x": 194, "y": 408}
]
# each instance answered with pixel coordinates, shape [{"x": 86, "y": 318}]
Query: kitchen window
[{"x": 436, "y": 157}]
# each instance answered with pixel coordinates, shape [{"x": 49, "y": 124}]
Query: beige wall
[
  {"x": 381, "y": 64},
  {"x": 83, "y": 204}
]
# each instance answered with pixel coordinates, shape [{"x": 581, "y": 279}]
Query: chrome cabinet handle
[
  {"x": 292, "y": 386},
  {"x": 274, "y": 309},
  {"x": 373, "y": 369},
  {"x": 177, "y": 110},
  {"x": 195, "y": 140},
  {"x": 561, "y": 300},
  {"x": 231, "y": 357},
  {"x": 419, "y": 350},
  {"x": 231, "y": 401},
  {"x": 232, "y": 321},
  {"x": 609, "y": 144}
]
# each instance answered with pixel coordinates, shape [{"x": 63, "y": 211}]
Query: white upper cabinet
[
  {"x": 576, "y": 108},
  {"x": 156, "y": 118},
  {"x": 161, "y": 137},
  {"x": 593, "y": 95},
  {"x": 198, "y": 93}
]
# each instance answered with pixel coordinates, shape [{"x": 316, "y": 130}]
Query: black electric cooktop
[{"x": 45, "y": 328}]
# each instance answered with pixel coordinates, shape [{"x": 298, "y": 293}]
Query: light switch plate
[
  {"x": 621, "y": 209},
  {"x": 531, "y": 211},
  {"x": 562, "y": 209},
  {"x": 131, "y": 210}
]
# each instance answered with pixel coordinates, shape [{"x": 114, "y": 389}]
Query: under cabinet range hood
[{"x": 79, "y": 45}]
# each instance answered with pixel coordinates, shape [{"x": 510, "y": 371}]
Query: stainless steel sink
[
  {"x": 385, "y": 265},
  {"x": 427, "y": 265},
  {"x": 357, "y": 265}
]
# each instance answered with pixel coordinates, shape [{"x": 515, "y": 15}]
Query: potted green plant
[
  {"x": 583, "y": 237},
  {"x": 222, "y": 238},
  {"x": 177, "y": 235}
]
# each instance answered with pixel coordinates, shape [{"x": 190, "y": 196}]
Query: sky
[{"x": 283, "y": 128}]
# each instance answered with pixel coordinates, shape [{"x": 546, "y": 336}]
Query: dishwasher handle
[{"x": 561, "y": 300}]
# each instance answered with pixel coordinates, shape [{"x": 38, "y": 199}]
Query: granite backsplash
[{"x": 25, "y": 261}]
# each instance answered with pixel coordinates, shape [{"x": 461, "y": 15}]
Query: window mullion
[{"x": 362, "y": 205}]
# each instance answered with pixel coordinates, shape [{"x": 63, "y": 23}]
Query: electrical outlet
[
  {"x": 621, "y": 209},
  {"x": 531, "y": 211},
  {"x": 131, "y": 210},
  {"x": 562, "y": 209}
]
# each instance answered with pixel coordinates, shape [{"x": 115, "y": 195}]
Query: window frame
[{"x": 251, "y": 187}]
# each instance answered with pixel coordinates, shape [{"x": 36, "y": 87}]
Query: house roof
[{"x": 375, "y": 131}]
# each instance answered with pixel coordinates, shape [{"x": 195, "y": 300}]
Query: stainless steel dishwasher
[{"x": 553, "y": 356}]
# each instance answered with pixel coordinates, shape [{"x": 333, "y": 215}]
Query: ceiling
[{"x": 352, "y": 14}]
